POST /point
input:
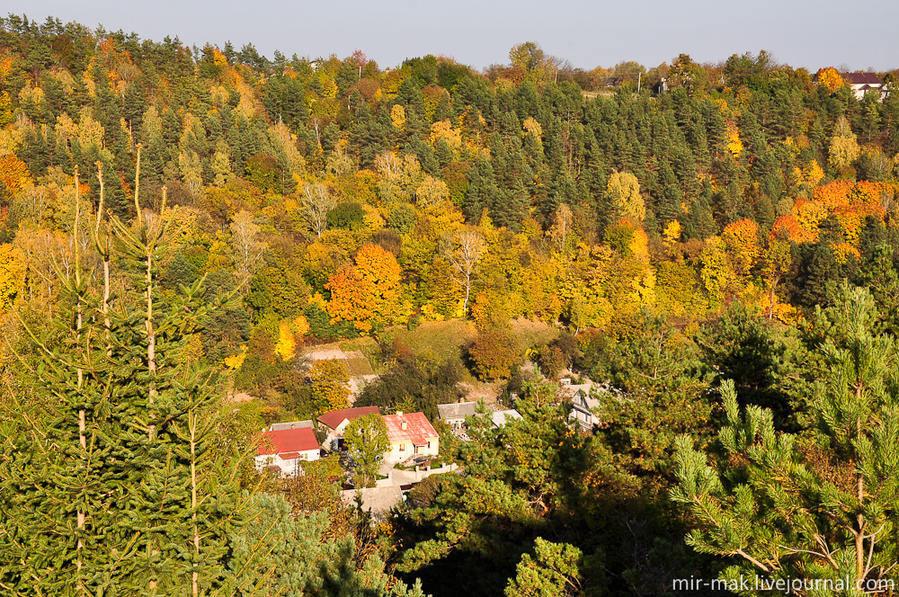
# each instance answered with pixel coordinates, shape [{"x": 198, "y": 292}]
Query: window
[
  {"x": 429, "y": 445},
  {"x": 403, "y": 447}
]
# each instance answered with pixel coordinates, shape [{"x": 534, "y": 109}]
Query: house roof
[
  {"x": 290, "y": 425},
  {"x": 334, "y": 418},
  {"x": 287, "y": 441},
  {"x": 501, "y": 417},
  {"x": 862, "y": 78},
  {"x": 456, "y": 410},
  {"x": 418, "y": 429}
]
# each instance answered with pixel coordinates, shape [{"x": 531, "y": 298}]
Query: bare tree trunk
[{"x": 104, "y": 251}]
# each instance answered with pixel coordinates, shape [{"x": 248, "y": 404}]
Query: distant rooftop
[
  {"x": 290, "y": 425},
  {"x": 334, "y": 418},
  {"x": 456, "y": 410},
  {"x": 501, "y": 417},
  {"x": 287, "y": 442},
  {"x": 859, "y": 78}
]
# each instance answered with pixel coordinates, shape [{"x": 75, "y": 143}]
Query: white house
[
  {"x": 283, "y": 450},
  {"x": 861, "y": 83}
]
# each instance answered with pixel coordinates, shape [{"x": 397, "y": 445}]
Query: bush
[
  {"x": 494, "y": 354},
  {"x": 346, "y": 216}
]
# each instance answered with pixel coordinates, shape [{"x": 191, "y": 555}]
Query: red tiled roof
[
  {"x": 335, "y": 417},
  {"x": 418, "y": 428},
  {"x": 862, "y": 78},
  {"x": 287, "y": 442}
]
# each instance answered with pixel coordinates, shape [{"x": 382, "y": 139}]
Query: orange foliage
[
  {"x": 842, "y": 251},
  {"x": 788, "y": 227},
  {"x": 833, "y": 194},
  {"x": 14, "y": 174},
  {"x": 367, "y": 293},
  {"x": 829, "y": 78}
]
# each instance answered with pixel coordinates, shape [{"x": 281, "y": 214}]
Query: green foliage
[
  {"x": 346, "y": 216},
  {"x": 366, "y": 441},
  {"x": 417, "y": 384},
  {"x": 817, "y": 505},
  {"x": 553, "y": 570},
  {"x": 763, "y": 359}
]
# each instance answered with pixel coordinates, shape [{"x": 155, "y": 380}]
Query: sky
[{"x": 855, "y": 35}]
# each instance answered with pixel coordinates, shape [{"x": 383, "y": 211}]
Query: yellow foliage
[
  {"x": 533, "y": 127},
  {"x": 235, "y": 361},
  {"x": 445, "y": 130},
  {"x": 318, "y": 300},
  {"x": 842, "y": 251},
  {"x": 12, "y": 273},
  {"x": 734, "y": 145},
  {"x": 639, "y": 244},
  {"x": 430, "y": 313},
  {"x": 398, "y": 116},
  {"x": 829, "y": 78},
  {"x": 286, "y": 346},
  {"x": 624, "y": 190},
  {"x": 672, "y": 232}
]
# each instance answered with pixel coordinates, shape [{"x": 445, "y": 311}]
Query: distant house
[
  {"x": 861, "y": 83},
  {"x": 501, "y": 417},
  {"x": 283, "y": 450},
  {"x": 582, "y": 403},
  {"x": 454, "y": 413},
  {"x": 410, "y": 434},
  {"x": 334, "y": 423}
]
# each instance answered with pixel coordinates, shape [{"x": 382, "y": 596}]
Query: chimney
[{"x": 403, "y": 425}]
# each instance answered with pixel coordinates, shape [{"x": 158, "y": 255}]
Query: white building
[
  {"x": 283, "y": 450},
  {"x": 861, "y": 83}
]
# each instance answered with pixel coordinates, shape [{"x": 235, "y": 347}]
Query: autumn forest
[{"x": 197, "y": 243}]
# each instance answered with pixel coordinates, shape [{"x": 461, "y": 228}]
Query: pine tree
[{"x": 822, "y": 504}]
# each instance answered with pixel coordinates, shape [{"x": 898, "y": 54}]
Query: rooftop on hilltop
[
  {"x": 287, "y": 441},
  {"x": 334, "y": 418},
  {"x": 413, "y": 427},
  {"x": 862, "y": 78}
]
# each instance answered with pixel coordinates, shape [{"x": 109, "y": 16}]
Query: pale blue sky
[{"x": 810, "y": 33}]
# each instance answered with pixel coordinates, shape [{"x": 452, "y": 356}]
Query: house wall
[
  {"x": 400, "y": 451},
  {"x": 289, "y": 466},
  {"x": 454, "y": 422}
]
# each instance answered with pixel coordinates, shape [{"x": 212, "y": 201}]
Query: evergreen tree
[{"x": 819, "y": 505}]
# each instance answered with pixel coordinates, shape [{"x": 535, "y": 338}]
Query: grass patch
[
  {"x": 358, "y": 366},
  {"x": 437, "y": 341},
  {"x": 533, "y": 333}
]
